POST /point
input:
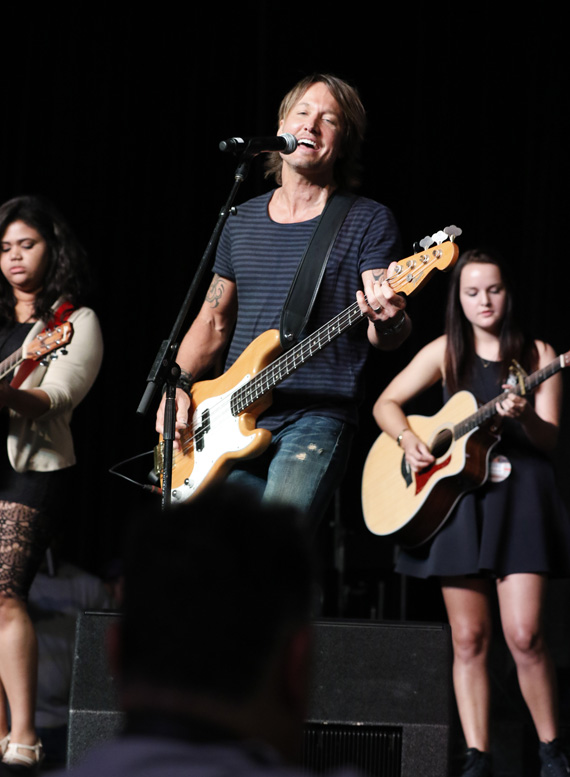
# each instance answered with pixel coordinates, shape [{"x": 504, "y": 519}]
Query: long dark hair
[
  {"x": 66, "y": 274},
  {"x": 514, "y": 342}
]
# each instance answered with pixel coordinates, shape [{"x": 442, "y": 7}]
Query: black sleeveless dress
[{"x": 517, "y": 525}]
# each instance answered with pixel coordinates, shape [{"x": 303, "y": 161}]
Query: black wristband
[
  {"x": 393, "y": 327},
  {"x": 184, "y": 382}
]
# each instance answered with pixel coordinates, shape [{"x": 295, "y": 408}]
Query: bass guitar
[
  {"x": 43, "y": 344},
  {"x": 412, "y": 506},
  {"x": 224, "y": 411}
]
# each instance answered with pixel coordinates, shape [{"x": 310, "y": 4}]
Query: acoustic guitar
[{"x": 410, "y": 506}]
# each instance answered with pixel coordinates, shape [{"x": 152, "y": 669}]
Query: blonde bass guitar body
[{"x": 218, "y": 435}]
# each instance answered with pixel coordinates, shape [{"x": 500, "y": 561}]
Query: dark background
[{"x": 116, "y": 116}]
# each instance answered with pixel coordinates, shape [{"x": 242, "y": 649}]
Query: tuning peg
[
  {"x": 440, "y": 237},
  {"x": 53, "y": 357},
  {"x": 44, "y": 362},
  {"x": 453, "y": 232},
  {"x": 426, "y": 242},
  {"x": 63, "y": 351}
]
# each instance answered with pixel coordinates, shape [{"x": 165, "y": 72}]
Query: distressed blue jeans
[{"x": 303, "y": 465}]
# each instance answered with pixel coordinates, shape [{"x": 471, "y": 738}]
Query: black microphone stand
[{"x": 165, "y": 370}]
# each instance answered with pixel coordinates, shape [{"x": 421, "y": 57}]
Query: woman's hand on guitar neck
[
  {"x": 416, "y": 452},
  {"x": 541, "y": 431},
  {"x": 512, "y": 405},
  {"x": 182, "y": 410}
]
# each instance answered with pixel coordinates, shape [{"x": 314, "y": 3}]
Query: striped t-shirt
[{"x": 261, "y": 256}]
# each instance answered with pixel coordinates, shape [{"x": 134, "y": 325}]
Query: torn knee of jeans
[{"x": 312, "y": 448}]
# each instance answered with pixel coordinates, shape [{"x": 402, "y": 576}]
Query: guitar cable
[{"x": 154, "y": 489}]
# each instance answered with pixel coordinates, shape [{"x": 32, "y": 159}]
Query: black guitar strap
[{"x": 307, "y": 280}]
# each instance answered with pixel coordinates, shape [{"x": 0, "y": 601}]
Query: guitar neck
[
  {"x": 488, "y": 410},
  {"x": 10, "y": 363},
  {"x": 287, "y": 363},
  {"x": 409, "y": 276}
]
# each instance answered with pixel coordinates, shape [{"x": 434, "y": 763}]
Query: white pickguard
[{"x": 224, "y": 436}]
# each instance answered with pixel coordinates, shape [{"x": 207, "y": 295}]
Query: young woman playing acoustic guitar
[
  {"x": 41, "y": 282},
  {"x": 510, "y": 534}
]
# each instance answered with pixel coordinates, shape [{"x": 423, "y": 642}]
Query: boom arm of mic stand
[{"x": 164, "y": 368}]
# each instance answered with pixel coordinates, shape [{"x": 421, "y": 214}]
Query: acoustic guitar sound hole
[{"x": 441, "y": 443}]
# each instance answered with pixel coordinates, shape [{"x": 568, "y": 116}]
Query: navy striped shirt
[{"x": 261, "y": 256}]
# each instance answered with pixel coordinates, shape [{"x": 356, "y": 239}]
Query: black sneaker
[
  {"x": 554, "y": 759},
  {"x": 477, "y": 764}
]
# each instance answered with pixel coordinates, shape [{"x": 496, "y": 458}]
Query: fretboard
[
  {"x": 274, "y": 373},
  {"x": 488, "y": 410},
  {"x": 10, "y": 362}
]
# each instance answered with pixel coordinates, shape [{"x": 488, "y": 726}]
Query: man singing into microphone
[{"x": 314, "y": 411}]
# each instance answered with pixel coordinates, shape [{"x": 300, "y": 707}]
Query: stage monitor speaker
[
  {"x": 380, "y": 696},
  {"x": 93, "y": 710}
]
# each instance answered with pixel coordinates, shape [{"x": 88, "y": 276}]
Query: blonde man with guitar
[
  {"x": 313, "y": 412},
  {"x": 508, "y": 535}
]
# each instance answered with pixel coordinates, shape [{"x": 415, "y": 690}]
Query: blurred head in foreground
[{"x": 216, "y": 616}]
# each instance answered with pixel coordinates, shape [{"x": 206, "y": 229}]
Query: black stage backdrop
[{"x": 116, "y": 114}]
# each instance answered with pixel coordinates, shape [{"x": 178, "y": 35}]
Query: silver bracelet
[{"x": 399, "y": 437}]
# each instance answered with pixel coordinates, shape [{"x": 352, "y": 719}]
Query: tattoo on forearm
[
  {"x": 215, "y": 291},
  {"x": 379, "y": 275}
]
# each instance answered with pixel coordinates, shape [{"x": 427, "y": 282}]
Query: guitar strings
[
  {"x": 246, "y": 395},
  {"x": 15, "y": 359},
  {"x": 488, "y": 410},
  {"x": 268, "y": 377}
]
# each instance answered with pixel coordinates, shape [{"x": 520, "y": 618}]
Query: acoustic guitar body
[{"x": 412, "y": 506}]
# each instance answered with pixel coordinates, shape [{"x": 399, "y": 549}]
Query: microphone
[{"x": 286, "y": 143}]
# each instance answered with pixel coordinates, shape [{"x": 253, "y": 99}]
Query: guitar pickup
[{"x": 202, "y": 430}]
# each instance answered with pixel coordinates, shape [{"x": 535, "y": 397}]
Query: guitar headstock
[
  {"x": 439, "y": 252},
  {"x": 49, "y": 340}
]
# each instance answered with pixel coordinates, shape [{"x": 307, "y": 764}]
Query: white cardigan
[{"x": 45, "y": 443}]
